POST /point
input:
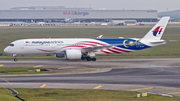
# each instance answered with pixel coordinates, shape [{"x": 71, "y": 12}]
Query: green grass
[
  {"x": 21, "y": 70},
  {"x": 171, "y": 49},
  {"x": 6, "y": 95},
  {"x": 85, "y": 95}
]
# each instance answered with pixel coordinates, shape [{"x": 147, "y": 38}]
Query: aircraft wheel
[
  {"x": 83, "y": 58},
  {"x": 88, "y": 59},
  {"x": 93, "y": 59},
  {"x": 15, "y": 59}
]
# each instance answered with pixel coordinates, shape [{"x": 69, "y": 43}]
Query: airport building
[{"x": 60, "y": 13}]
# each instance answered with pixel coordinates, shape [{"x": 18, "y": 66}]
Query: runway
[{"x": 157, "y": 75}]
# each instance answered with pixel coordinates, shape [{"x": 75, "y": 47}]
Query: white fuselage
[{"x": 52, "y": 46}]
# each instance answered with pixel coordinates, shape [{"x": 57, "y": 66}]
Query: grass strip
[
  {"x": 22, "y": 70},
  {"x": 6, "y": 95},
  {"x": 48, "y": 94}
]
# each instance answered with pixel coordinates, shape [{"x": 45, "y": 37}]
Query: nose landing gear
[{"x": 15, "y": 59}]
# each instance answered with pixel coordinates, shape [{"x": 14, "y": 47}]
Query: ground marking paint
[
  {"x": 91, "y": 69},
  {"x": 97, "y": 69},
  {"x": 98, "y": 87},
  {"x": 6, "y": 81},
  {"x": 43, "y": 85},
  {"x": 67, "y": 67},
  {"x": 174, "y": 93},
  {"x": 142, "y": 89},
  {"x": 87, "y": 69},
  {"x": 38, "y": 66},
  {"x": 1, "y": 65},
  {"x": 162, "y": 69}
]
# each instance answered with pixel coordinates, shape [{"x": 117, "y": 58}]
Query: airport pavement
[{"x": 157, "y": 75}]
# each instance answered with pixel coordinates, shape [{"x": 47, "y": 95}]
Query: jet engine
[{"x": 73, "y": 54}]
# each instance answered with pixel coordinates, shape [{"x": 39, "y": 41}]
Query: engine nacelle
[{"x": 73, "y": 54}]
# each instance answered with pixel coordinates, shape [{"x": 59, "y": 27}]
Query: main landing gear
[
  {"x": 88, "y": 58},
  {"x": 15, "y": 59}
]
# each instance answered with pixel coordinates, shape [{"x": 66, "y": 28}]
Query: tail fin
[
  {"x": 157, "y": 31},
  {"x": 100, "y": 37}
]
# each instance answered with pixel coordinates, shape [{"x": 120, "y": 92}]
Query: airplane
[
  {"x": 67, "y": 20},
  {"x": 88, "y": 48}
]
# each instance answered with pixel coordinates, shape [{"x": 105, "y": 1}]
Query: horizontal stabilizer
[{"x": 161, "y": 41}]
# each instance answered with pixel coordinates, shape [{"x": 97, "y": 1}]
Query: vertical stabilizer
[{"x": 157, "y": 31}]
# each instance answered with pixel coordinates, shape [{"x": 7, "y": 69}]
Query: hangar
[{"x": 60, "y": 13}]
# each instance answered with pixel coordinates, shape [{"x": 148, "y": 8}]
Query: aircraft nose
[{"x": 6, "y": 50}]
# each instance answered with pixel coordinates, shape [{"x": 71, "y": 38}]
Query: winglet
[{"x": 100, "y": 37}]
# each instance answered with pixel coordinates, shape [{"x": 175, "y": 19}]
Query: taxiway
[{"x": 157, "y": 75}]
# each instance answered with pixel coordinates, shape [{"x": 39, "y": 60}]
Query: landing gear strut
[
  {"x": 83, "y": 58},
  {"x": 15, "y": 59},
  {"x": 88, "y": 58}
]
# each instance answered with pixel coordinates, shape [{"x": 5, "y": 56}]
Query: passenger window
[{"x": 11, "y": 45}]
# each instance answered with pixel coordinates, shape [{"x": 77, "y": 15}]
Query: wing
[
  {"x": 97, "y": 48},
  {"x": 85, "y": 49}
]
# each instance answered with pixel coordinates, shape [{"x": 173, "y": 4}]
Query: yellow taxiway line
[
  {"x": 98, "y": 87},
  {"x": 67, "y": 67},
  {"x": 142, "y": 89},
  {"x": 87, "y": 69},
  {"x": 38, "y": 66},
  {"x": 43, "y": 85},
  {"x": 7, "y": 81},
  {"x": 162, "y": 69},
  {"x": 97, "y": 69},
  {"x": 174, "y": 93}
]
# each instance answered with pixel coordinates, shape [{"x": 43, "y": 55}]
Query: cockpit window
[{"x": 11, "y": 45}]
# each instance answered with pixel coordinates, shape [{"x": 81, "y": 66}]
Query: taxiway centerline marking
[
  {"x": 174, "y": 93},
  {"x": 37, "y": 66},
  {"x": 97, "y": 69},
  {"x": 98, "y": 87},
  {"x": 1, "y": 65},
  {"x": 7, "y": 81},
  {"x": 162, "y": 69},
  {"x": 87, "y": 69},
  {"x": 67, "y": 67},
  {"x": 142, "y": 89},
  {"x": 43, "y": 85}
]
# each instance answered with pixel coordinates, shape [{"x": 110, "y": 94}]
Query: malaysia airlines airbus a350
[{"x": 87, "y": 48}]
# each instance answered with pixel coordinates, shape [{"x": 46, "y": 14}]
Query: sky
[{"x": 160, "y": 5}]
